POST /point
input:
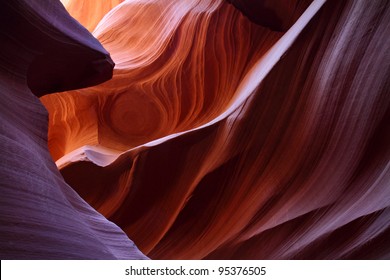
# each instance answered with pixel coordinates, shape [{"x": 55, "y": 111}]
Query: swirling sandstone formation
[
  {"x": 235, "y": 129},
  {"x": 43, "y": 50}
]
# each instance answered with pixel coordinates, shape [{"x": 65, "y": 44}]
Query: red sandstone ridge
[
  {"x": 44, "y": 50},
  {"x": 224, "y": 134}
]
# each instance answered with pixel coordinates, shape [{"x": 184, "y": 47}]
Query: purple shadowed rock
[
  {"x": 44, "y": 50},
  {"x": 274, "y": 14}
]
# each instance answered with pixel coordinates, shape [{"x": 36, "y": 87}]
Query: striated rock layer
[{"x": 43, "y": 49}]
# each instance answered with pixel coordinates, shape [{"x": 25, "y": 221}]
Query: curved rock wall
[{"x": 43, "y": 49}]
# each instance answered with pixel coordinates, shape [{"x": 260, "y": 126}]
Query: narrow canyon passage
[{"x": 204, "y": 129}]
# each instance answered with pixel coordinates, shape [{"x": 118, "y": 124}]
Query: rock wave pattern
[{"x": 233, "y": 129}]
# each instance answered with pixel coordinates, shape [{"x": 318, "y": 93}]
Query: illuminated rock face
[
  {"x": 43, "y": 50},
  {"x": 222, "y": 138}
]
